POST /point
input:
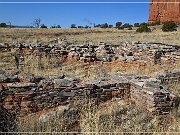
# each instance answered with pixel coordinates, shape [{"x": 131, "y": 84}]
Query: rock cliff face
[{"x": 162, "y": 12}]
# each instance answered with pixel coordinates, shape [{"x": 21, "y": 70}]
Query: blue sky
[{"x": 80, "y": 14}]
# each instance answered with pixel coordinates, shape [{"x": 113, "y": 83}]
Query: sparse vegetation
[{"x": 85, "y": 116}]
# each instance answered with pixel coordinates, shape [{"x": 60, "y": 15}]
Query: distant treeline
[
  {"x": 142, "y": 27},
  {"x": 37, "y": 24}
]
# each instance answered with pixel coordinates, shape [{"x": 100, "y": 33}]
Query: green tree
[
  {"x": 110, "y": 26},
  {"x": 143, "y": 24},
  {"x": 118, "y": 25},
  {"x": 98, "y": 25},
  {"x": 136, "y": 24},
  {"x": 105, "y": 25},
  {"x": 80, "y": 27},
  {"x": 169, "y": 26},
  {"x": 87, "y": 26},
  {"x": 56, "y": 26},
  {"x": 3, "y": 25},
  {"x": 127, "y": 25},
  {"x": 73, "y": 26},
  {"x": 155, "y": 23},
  {"x": 43, "y": 26}
]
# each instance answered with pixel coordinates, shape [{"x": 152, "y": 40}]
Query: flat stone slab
[{"x": 21, "y": 85}]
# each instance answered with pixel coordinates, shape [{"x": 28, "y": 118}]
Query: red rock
[{"x": 162, "y": 12}]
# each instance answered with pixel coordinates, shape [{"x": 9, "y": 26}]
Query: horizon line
[{"x": 66, "y": 2}]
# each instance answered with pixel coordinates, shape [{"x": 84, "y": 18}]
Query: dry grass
[
  {"x": 110, "y": 35},
  {"x": 57, "y": 66},
  {"x": 109, "y": 117}
]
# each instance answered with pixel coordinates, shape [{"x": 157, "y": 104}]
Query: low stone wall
[
  {"x": 156, "y": 53},
  {"x": 25, "y": 98},
  {"x": 39, "y": 94}
]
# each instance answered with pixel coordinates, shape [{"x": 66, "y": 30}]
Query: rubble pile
[{"x": 27, "y": 97}]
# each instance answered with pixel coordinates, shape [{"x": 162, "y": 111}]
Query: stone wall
[
  {"x": 25, "y": 98},
  {"x": 156, "y": 53},
  {"x": 34, "y": 96}
]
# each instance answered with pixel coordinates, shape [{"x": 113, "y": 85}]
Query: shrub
[
  {"x": 98, "y": 25},
  {"x": 110, "y": 26},
  {"x": 105, "y": 25},
  {"x": 73, "y": 26},
  {"x": 118, "y": 24},
  {"x": 87, "y": 26},
  {"x": 136, "y": 24},
  {"x": 3, "y": 25},
  {"x": 169, "y": 26},
  {"x": 56, "y": 26},
  {"x": 43, "y": 26},
  {"x": 155, "y": 23},
  {"x": 143, "y": 24},
  {"x": 143, "y": 28},
  {"x": 130, "y": 28},
  {"x": 127, "y": 25},
  {"x": 80, "y": 27}
]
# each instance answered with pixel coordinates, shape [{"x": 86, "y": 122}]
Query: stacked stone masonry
[
  {"x": 156, "y": 53},
  {"x": 30, "y": 97}
]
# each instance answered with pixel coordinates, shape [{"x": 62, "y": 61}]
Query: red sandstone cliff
[{"x": 164, "y": 11}]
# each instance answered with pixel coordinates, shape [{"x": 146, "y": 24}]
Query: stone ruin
[
  {"x": 34, "y": 94},
  {"x": 156, "y": 53}
]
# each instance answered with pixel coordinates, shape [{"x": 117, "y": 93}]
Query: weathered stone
[
  {"x": 58, "y": 83},
  {"x": 21, "y": 85},
  {"x": 34, "y": 79},
  {"x": 8, "y": 78}
]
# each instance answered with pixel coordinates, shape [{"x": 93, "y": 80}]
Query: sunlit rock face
[{"x": 160, "y": 11}]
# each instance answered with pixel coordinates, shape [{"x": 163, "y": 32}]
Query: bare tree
[{"x": 37, "y": 22}]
